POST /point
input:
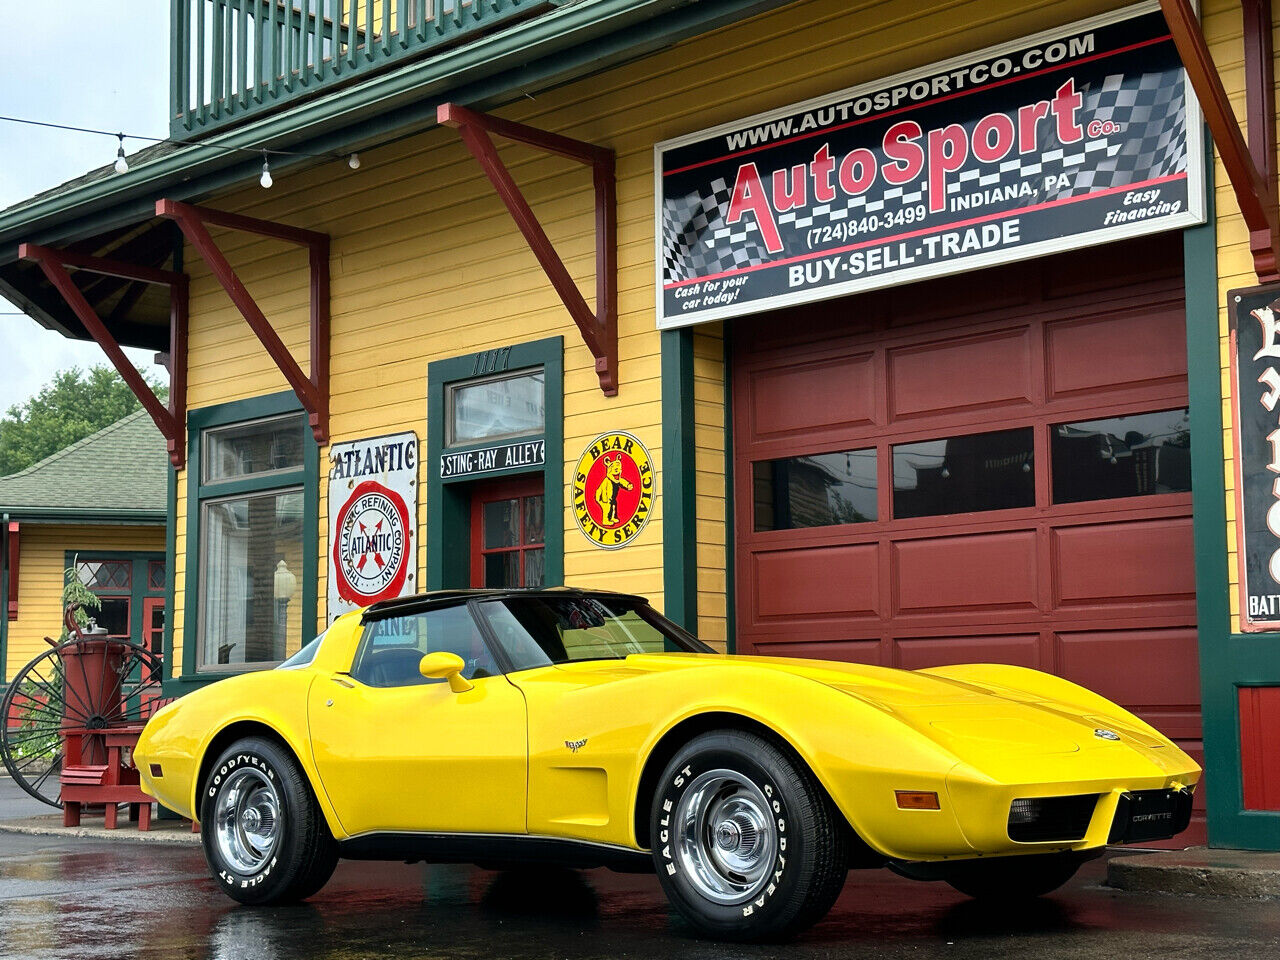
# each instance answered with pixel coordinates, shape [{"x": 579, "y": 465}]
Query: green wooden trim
[
  {"x": 308, "y": 477},
  {"x": 679, "y": 481},
  {"x": 139, "y": 583},
  {"x": 730, "y": 549},
  {"x": 69, "y": 516},
  {"x": 4, "y": 600},
  {"x": 171, "y": 577},
  {"x": 1227, "y": 661},
  {"x": 449, "y": 503},
  {"x": 578, "y": 41},
  {"x": 238, "y": 411}
]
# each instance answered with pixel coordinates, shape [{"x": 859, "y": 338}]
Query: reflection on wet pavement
[{"x": 83, "y": 900}]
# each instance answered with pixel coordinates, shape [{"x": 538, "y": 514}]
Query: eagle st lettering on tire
[
  {"x": 726, "y": 845},
  {"x": 263, "y": 833}
]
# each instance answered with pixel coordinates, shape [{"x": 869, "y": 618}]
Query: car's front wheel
[
  {"x": 1014, "y": 878},
  {"x": 747, "y": 845},
  {"x": 264, "y": 836}
]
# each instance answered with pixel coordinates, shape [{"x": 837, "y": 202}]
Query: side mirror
[{"x": 443, "y": 665}]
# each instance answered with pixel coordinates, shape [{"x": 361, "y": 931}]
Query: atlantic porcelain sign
[
  {"x": 1079, "y": 136},
  {"x": 373, "y": 506}
]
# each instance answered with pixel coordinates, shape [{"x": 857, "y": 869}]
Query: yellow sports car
[{"x": 582, "y": 728}]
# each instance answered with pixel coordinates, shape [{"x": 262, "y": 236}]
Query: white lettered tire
[
  {"x": 746, "y": 843},
  {"x": 264, "y": 836}
]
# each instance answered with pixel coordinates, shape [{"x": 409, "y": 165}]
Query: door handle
[{"x": 346, "y": 683}]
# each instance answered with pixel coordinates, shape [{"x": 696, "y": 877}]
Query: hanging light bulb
[
  {"x": 265, "y": 179},
  {"x": 121, "y": 165},
  {"x": 353, "y": 161}
]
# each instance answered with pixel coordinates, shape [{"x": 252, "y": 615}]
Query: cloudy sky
[{"x": 85, "y": 63}]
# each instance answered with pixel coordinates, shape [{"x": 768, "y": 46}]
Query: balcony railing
[{"x": 236, "y": 59}]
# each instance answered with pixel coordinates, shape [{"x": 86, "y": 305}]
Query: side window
[{"x": 391, "y": 649}]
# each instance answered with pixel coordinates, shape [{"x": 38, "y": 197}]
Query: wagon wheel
[{"x": 40, "y": 704}]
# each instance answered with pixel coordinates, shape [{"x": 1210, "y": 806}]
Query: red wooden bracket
[
  {"x": 599, "y": 328},
  {"x": 12, "y": 535},
  {"x": 170, "y": 420},
  {"x": 312, "y": 391},
  {"x": 1252, "y": 173}
]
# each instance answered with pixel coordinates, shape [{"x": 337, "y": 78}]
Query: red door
[
  {"x": 153, "y": 625},
  {"x": 993, "y": 467},
  {"x": 507, "y": 539}
]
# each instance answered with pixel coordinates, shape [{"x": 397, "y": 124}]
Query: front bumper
[{"x": 1130, "y": 811}]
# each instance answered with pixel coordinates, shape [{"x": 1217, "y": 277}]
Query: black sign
[
  {"x": 509, "y": 456},
  {"x": 1083, "y": 135},
  {"x": 1255, "y": 363}
]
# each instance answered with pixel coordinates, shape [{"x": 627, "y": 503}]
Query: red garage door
[{"x": 994, "y": 467}]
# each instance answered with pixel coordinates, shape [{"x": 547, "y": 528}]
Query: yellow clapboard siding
[
  {"x": 1224, "y": 32},
  {"x": 427, "y": 265},
  {"x": 41, "y": 563}
]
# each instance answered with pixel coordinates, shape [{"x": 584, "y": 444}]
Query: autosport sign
[
  {"x": 1079, "y": 136},
  {"x": 373, "y": 506}
]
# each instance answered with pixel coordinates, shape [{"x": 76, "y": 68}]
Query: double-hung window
[{"x": 255, "y": 518}]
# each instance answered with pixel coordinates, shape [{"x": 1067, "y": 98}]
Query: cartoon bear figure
[{"x": 610, "y": 484}]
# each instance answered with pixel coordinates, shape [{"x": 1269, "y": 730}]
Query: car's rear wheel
[
  {"x": 746, "y": 843},
  {"x": 1014, "y": 878},
  {"x": 264, "y": 836}
]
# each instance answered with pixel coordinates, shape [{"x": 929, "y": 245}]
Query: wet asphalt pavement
[{"x": 83, "y": 899}]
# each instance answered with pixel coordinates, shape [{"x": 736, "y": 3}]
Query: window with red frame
[{"x": 507, "y": 534}]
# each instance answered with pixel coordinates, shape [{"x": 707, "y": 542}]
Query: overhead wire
[{"x": 121, "y": 164}]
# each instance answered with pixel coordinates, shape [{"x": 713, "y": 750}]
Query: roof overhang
[
  {"x": 568, "y": 44},
  {"x": 71, "y": 516}
]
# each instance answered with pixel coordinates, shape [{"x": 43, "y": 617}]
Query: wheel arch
[
  {"x": 681, "y": 733},
  {"x": 239, "y": 730}
]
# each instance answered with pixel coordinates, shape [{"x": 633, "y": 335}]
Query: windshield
[
  {"x": 539, "y": 631},
  {"x": 304, "y": 656}
]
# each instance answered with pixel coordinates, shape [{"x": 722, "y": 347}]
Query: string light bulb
[
  {"x": 121, "y": 165},
  {"x": 265, "y": 179},
  {"x": 354, "y": 161}
]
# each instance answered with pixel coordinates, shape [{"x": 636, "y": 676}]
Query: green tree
[{"x": 74, "y": 404}]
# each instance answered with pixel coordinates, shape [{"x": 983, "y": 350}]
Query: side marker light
[{"x": 916, "y": 800}]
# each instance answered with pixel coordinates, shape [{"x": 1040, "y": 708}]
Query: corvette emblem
[
  {"x": 1106, "y": 734},
  {"x": 575, "y": 745}
]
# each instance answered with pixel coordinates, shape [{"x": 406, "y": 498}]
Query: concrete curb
[
  {"x": 1239, "y": 874},
  {"x": 51, "y": 826}
]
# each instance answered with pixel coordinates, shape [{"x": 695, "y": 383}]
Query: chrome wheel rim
[
  {"x": 727, "y": 838},
  {"x": 247, "y": 820}
]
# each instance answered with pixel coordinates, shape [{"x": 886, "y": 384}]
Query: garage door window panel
[
  {"x": 818, "y": 490},
  {"x": 1117, "y": 457},
  {"x": 966, "y": 474}
]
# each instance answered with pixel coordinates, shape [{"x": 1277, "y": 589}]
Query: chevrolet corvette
[{"x": 583, "y": 729}]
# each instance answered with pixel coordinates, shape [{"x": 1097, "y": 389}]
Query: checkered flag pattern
[
  {"x": 1151, "y": 111},
  {"x": 697, "y": 242}
]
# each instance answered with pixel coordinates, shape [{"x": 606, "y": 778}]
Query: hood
[
  {"x": 880, "y": 685},
  {"x": 960, "y": 716}
]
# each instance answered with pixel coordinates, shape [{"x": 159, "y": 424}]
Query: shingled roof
[{"x": 119, "y": 473}]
